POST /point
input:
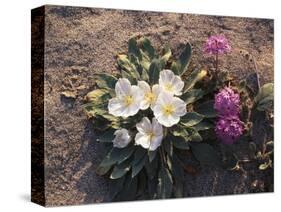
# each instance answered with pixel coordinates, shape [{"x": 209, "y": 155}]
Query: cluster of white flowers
[{"x": 161, "y": 98}]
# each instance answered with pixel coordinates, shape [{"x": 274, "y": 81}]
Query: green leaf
[
  {"x": 195, "y": 137},
  {"x": 168, "y": 147},
  {"x": 116, "y": 187},
  {"x": 121, "y": 169},
  {"x": 167, "y": 53},
  {"x": 93, "y": 110},
  {"x": 265, "y": 97},
  {"x": 102, "y": 170},
  {"x": 265, "y": 91},
  {"x": 180, "y": 142},
  {"x": 110, "y": 117},
  {"x": 165, "y": 184},
  {"x": 144, "y": 74},
  {"x": 192, "y": 95},
  {"x": 205, "y": 154},
  {"x": 203, "y": 125},
  {"x": 146, "y": 46},
  {"x": 140, "y": 157},
  {"x": 124, "y": 62},
  {"x": 153, "y": 72},
  {"x": 191, "y": 118},
  {"x": 193, "y": 78},
  {"x": 128, "y": 76},
  {"x": 266, "y": 103},
  {"x": 178, "y": 174},
  {"x": 145, "y": 61},
  {"x": 129, "y": 70},
  {"x": 152, "y": 184},
  {"x": 129, "y": 189},
  {"x": 97, "y": 95},
  {"x": 152, "y": 167},
  {"x": 107, "y": 137},
  {"x": 138, "y": 165},
  {"x": 179, "y": 130},
  {"x": 106, "y": 81},
  {"x": 151, "y": 155},
  {"x": 180, "y": 66},
  {"x": 117, "y": 155},
  {"x": 178, "y": 189},
  {"x": 133, "y": 48},
  {"x": 177, "y": 169},
  {"x": 100, "y": 123},
  {"x": 207, "y": 109}
]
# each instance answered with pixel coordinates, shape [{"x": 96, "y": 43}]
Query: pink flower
[
  {"x": 217, "y": 44},
  {"x": 227, "y": 102},
  {"x": 229, "y": 129}
]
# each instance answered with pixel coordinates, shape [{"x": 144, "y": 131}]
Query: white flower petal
[
  {"x": 132, "y": 110},
  {"x": 168, "y": 121},
  {"x": 143, "y": 140},
  {"x": 180, "y": 106},
  {"x": 144, "y": 126},
  {"x": 144, "y": 105},
  {"x": 170, "y": 82},
  {"x": 166, "y": 75},
  {"x": 157, "y": 128},
  {"x": 137, "y": 94},
  {"x": 169, "y": 109},
  {"x": 144, "y": 89},
  {"x": 155, "y": 143},
  {"x": 149, "y": 134},
  {"x": 123, "y": 87},
  {"x": 122, "y": 138},
  {"x": 115, "y": 107},
  {"x": 157, "y": 110},
  {"x": 155, "y": 91},
  {"x": 127, "y": 100},
  {"x": 164, "y": 98},
  {"x": 144, "y": 86},
  {"x": 178, "y": 85}
]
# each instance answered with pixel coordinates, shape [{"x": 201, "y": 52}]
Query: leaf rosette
[{"x": 150, "y": 115}]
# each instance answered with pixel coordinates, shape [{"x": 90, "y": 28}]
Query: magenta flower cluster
[
  {"x": 227, "y": 102},
  {"x": 228, "y": 127},
  {"x": 217, "y": 44}
]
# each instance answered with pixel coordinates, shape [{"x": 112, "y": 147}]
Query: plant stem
[
  {"x": 256, "y": 70},
  {"x": 216, "y": 65},
  {"x": 217, "y": 62},
  {"x": 162, "y": 155}
]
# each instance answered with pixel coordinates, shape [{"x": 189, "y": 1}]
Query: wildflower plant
[
  {"x": 154, "y": 111},
  {"x": 228, "y": 126},
  {"x": 217, "y": 45}
]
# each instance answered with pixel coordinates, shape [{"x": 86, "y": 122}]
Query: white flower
[
  {"x": 127, "y": 100},
  {"x": 168, "y": 109},
  {"x": 150, "y": 95},
  {"x": 122, "y": 138},
  {"x": 170, "y": 82},
  {"x": 149, "y": 134}
]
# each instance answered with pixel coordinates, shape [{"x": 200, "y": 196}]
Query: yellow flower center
[
  {"x": 168, "y": 87},
  {"x": 128, "y": 100},
  {"x": 151, "y": 135},
  {"x": 150, "y": 97},
  {"x": 168, "y": 109}
]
